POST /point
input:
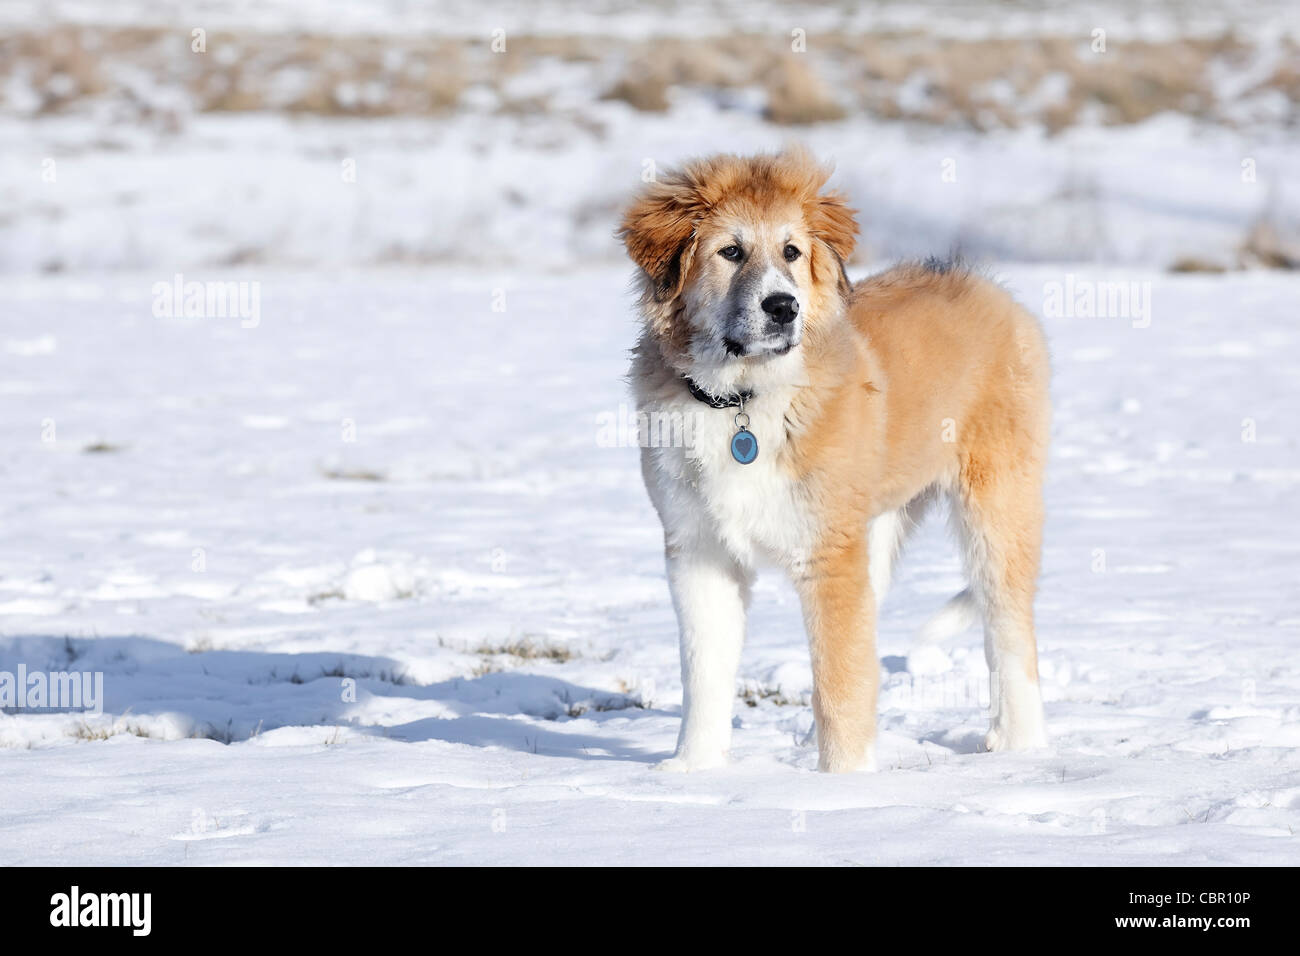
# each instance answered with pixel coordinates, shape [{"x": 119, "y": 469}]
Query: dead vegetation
[
  {"x": 982, "y": 83},
  {"x": 1195, "y": 264},
  {"x": 528, "y": 649},
  {"x": 796, "y": 95},
  {"x": 754, "y": 693},
  {"x": 600, "y": 703},
  {"x": 643, "y": 87},
  {"x": 1267, "y": 246},
  {"x": 104, "y": 729},
  {"x": 1268, "y": 243},
  {"x": 498, "y": 657},
  {"x": 352, "y": 474}
]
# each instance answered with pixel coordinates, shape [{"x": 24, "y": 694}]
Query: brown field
[{"x": 980, "y": 84}]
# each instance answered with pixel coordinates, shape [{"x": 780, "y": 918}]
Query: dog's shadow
[
  {"x": 525, "y": 712},
  {"x": 958, "y": 741},
  {"x": 234, "y": 695}
]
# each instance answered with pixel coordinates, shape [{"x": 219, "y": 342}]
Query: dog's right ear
[{"x": 659, "y": 232}]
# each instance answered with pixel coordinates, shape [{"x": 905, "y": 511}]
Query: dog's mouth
[{"x": 772, "y": 345}]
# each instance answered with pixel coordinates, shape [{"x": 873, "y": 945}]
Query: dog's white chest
[{"x": 757, "y": 510}]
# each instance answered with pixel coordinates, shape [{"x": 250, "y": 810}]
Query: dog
[{"x": 827, "y": 416}]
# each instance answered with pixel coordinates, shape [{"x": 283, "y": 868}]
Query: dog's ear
[
  {"x": 658, "y": 230},
  {"x": 834, "y": 227},
  {"x": 831, "y": 220}
]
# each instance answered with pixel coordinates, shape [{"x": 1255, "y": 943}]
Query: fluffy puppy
[{"x": 821, "y": 418}]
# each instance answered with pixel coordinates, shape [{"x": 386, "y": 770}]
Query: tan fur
[{"x": 914, "y": 379}]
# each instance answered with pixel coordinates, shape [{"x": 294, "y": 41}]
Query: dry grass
[
  {"x": 333, "y": 76},
  {"x": 1265, "y": 245},
  {"x": 601, "y": 704},
  {"x": 1194, "y": 264},
  {"x": 797, "y": 95},
  {"x": 62, "y": 63},
  {"x": 754, "y": 693},
  {"x": 102, "y": 730},
  {"x": 643, "y": 87},
  {"x": 352, "y": 474},
  {"x": 1285, "y": 78},
  {"x": 496, "y": 658},
  {"x": 979, "y": 82},
  {"x": 528, "y": 649}
]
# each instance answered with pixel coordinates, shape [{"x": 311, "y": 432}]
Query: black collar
[{"x": 713, "y": 401}]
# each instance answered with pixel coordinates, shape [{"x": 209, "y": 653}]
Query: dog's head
[{"x": 741, "y": 258}]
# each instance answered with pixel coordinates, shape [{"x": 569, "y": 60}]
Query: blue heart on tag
[{"x": 744, "y": 447}]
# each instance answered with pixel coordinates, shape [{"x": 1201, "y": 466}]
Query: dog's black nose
[{"x": 781, "y": 306}]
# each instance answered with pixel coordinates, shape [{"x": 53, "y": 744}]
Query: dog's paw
[
  {"x": 861, "y": 763},
  {"x": 1015, "y": 738},
  {"x": 687, "y": 764}
]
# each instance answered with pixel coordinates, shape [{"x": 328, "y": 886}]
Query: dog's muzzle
[{"x": 774, "y": 330}]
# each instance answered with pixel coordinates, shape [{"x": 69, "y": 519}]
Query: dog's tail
[{"x": 960, "y": 613}]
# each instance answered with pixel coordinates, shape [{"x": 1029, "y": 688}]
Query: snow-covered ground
[
  {"x": 118, "y": 154},
  {"x": 263, "y": 189},
  {"x": 369, "y": 575},
  {"x": 405, "y": 480}
]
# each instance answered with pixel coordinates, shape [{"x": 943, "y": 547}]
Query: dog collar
[
  {"x": 736, "y": 400},
  {"x": 744, "y": 446}
]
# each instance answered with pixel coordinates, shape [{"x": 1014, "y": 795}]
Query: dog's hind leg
[{"x": 999, "y": 509}]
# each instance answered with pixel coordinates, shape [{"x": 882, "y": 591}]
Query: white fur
[
  {"x": 961, "y": 613},
  {"x": 1016, "y": 719},
  {"x": 774, "y": 281},
  {"x": 710, "y": 592},
  {"x": 884, "y": 538},
  {"x": 755, "y": 512}
]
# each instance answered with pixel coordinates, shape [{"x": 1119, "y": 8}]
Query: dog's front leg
[
  {"x": 710, "y": 592},
  {"x": 840, "y": 614}
]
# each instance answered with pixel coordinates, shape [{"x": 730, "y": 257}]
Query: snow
[
  {"x": 231, "y": 191},
  {"x": 369, "y": 579},
  {"x": 388, "y": 484}
]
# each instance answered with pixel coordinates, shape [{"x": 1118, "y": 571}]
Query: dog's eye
[
  {"x": 731, "y": 252},
  {"x": 791, "y": 253}
]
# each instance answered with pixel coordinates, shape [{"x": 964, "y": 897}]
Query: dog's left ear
[
  {"x": 834, "y": 224},
  {"x": 658, "y": 230},
  {"x": 832, "y": 221}
]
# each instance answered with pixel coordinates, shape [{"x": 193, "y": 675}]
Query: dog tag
[{"x": 744, "y": 446}]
